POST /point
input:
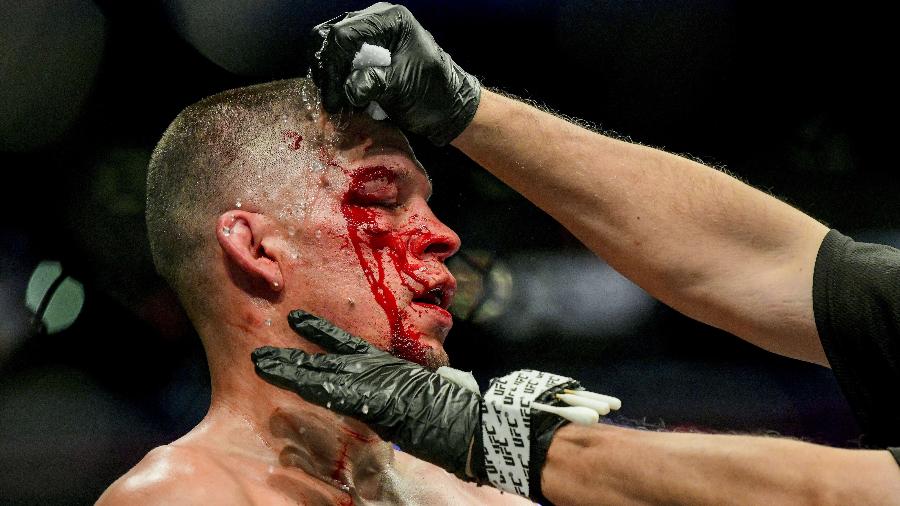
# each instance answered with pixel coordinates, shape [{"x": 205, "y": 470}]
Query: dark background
[{"x": 797, "y": 101}]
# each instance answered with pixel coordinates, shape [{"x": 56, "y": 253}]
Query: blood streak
[
  {"x": 357, "y": 436},
  {"x": 341, "y": 464},
  {"x": 386, "y": 246},
  {"x": 293, "y": 139},
  {"x": 338, "y": 474}
]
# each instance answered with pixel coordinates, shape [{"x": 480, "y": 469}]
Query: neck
[{"x": 277, "y": 426}]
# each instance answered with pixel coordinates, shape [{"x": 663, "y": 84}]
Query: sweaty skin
[{"x": 364, "y": 253}]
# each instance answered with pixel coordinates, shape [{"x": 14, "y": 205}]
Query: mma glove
[
  {"x": 499, "y": 439},
  {"x": 422, "y": 89}
]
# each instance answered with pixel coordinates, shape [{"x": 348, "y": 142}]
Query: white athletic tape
[{"x": 506, "y": 426}]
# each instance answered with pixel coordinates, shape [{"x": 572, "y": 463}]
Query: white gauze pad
[
  {"x": 461, "y": 378},
  {"x": 372, "y": 56}
]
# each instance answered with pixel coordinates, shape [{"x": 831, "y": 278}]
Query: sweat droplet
[
  {"x": 237, "y": 204},
  {"x": 328, "y": 405},
  {"x": 226, "y": 231},
  {"x": 268, "y": 322},
  {"x": 365, "y": 409}
]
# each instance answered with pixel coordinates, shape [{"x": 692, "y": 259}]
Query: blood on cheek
[{"x": 367, "y": 230}]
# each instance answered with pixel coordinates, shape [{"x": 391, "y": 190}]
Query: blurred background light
[
  {"x": 250, "y": 37},
  {"x": 568, "y": 295},
  {"x": 55, "y": 298},
  {"x": 50, "y": 52}
]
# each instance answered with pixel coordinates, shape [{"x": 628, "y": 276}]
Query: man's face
[{"x": 369, "y": 251}]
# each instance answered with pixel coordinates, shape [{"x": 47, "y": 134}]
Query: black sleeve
[{"x": 856, "y": 301}]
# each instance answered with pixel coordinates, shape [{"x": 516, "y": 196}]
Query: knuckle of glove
[
  {"x": 343, "y": 37},
  {"x": 398, "y": 12}
]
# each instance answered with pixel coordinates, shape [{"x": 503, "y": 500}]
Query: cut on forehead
[{"x": 379, "y": 138}]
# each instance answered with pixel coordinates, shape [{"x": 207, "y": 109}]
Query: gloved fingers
[
  {"x": 365, "y": 85},
  {"x": 279, "y": 366},
  {"x": 317, "y": 382},
  {"x": 374, "y": 8},
  {"x": 379, "y": 24},
  {"x": 376, "y": 24},
  {"x": 322, "y": 29},
  {"x": 349, "y": 403},
  {"x": 325, "y": 334},
  {"x": 297, "y": 362},
  {"x": 274, "y": 354},
  {"x": 329, "y": 72},
  {"x": 331, "y": 63},
  {"x": 294, "y": 369}
]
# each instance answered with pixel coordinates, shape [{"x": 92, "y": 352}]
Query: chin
[
  {"x": 436, "y": 357},
  {"x": 423, "y": 349}
]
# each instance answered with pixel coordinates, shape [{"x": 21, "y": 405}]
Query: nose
[{"x": 434, "y": 240}]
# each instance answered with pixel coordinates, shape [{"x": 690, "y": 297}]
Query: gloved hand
[
  {"x": 501, "y": 439},
  {"x": 422, "y": 90}
]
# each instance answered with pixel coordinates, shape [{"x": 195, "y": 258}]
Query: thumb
[{"x": 365, "y": 85}]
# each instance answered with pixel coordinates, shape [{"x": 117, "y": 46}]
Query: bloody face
[{"x": 371, "y": 252}]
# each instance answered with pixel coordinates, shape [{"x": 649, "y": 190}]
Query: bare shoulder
[
  {"x": 448, "y": 489},
  {"x": 174, "y": 474}
]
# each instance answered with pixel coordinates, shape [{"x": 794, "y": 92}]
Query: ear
[{"x": 248, "y": 242}]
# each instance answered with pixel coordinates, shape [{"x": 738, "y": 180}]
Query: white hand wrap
[{"x": 506, "y": 424}]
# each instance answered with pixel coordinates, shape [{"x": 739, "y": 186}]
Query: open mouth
[{"x": 437, "y": 296}]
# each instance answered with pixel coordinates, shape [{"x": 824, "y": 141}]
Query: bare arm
[
  {"x": 701, "y": 241},
  {"x": 612, "y": 465}
]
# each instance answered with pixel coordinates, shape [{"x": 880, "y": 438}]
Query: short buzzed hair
[{"x": 215, "y": 153}]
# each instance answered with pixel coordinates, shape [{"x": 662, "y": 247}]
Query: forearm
[
  {"x": 692, "y": 236},
  {"x": 611, "y": 465}
]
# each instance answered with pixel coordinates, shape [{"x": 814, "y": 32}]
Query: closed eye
[{"x": 375, "y": 200}]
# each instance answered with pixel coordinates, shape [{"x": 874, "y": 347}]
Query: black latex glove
[
  {"x": 422, "y": 90},
  {"x": 425, "y": 414}
]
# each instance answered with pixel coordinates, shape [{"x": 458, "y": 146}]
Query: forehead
[{"x": 366, "y": 142}]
